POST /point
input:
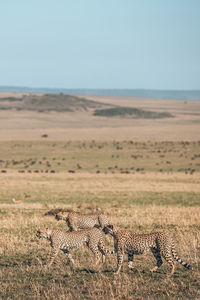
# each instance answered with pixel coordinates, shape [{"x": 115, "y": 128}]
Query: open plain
[
  {"x": 23, "y": 124},
  {"x": 144, "y": 174}
]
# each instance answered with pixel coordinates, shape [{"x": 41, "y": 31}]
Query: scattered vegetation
[
  {"x": 44, "y": 135},
  {"x": 127, "y": 157},
  {"x": 132, "y": 112}
]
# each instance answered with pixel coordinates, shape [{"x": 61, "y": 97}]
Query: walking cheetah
[
  {"x": 68, "y": 241},
  {"x": 77, "y": 221},
  {"x": 159, "y": 243}
]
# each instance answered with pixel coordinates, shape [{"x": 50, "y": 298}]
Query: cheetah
[
  {"x": 77, "y": 221},
  {"x": 68, "y": 241},
  {"x": 159, "y": 243}
]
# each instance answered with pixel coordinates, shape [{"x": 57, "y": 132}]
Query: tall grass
[
  {"x": 140, "y": 202},
  {"x": 23, "y": 256}
]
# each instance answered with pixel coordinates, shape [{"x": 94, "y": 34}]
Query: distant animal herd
[{"x": 137, "y": 151}]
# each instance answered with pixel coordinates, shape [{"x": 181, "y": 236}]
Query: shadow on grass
[
  {"x": 19, "y": 259},
  {"x": 86, "y": 270}
]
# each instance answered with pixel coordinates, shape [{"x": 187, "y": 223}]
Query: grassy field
[
  {"x": 141, "y": 186},
  {"x": 97, "y": 157},
  {"x": 144, "y": 174}
]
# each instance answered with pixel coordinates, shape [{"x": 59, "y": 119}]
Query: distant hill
[
  {"x": 50, "y": 102},
  {"x": 70, "y": 103},
  {"x": 143, "y": 93}
]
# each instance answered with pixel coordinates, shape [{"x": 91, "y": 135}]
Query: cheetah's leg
[
  {"x": 103, "y": 255},
  {"x": 101, "y": 247},
  {"x": 70, "y": 257},
  {"x": 156, "y": 254},
  {"x": 94, "y": 249},
  {"x": 168, "y": 257},
  {"x": 97, "y": 258},
  {"x": 120, "y": 255},
  {"x": 173, "y": 269},
  {"x": 116, "y": 246},
  {"x": 130, "y": 260},
  {"x": 53, "y": 256},
  {"x": 170, "y": 261}
]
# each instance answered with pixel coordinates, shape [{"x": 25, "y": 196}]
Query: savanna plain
[{"x": 144, "y": 174}]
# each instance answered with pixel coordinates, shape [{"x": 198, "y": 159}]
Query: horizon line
[{"x": 92, "y": 89}]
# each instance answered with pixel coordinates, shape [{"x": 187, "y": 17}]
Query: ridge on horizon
[
  {"x": 104, "y": 89},
  {"x": 141, "y": 93}
]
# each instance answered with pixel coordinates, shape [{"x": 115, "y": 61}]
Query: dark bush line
[{"x": 130, "y": 111}]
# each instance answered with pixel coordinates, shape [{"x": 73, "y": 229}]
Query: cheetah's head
[
  {"x": 44, "y": 233},
  {"x": 62, "y": 215},
  {"x": 110, "y": 229}
]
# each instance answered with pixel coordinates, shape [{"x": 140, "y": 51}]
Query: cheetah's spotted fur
[
  {"x": 68, "y": 241},
  {"x": 77, "y": 221},
  {"x": 159, "y": 243}
]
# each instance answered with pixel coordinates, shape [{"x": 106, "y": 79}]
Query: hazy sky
[{"x": 100, "y": 43}]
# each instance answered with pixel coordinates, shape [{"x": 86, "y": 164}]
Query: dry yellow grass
[
  {"x": 138, "y": 202},
  {"x": 23, "y": 256},
  {"x": 66, "y": 182}
]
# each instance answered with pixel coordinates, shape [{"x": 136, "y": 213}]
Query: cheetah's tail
[{"x": 177, "y": 258}]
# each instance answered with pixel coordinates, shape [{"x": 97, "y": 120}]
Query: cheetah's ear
[
  {"x": 110, "y": 226},
  {"x": 48, "y": 231},
  {"x": 114, "y": 228}
]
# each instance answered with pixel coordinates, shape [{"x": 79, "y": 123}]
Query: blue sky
[{"x": 100, "y": 43}]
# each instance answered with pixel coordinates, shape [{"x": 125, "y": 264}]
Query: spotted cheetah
[
  {"x": 159, "y": 243},
  {"x": 68, "y": 241},
  {"x": 77, "y": 221}
]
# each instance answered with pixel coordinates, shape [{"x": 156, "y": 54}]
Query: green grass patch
[{"x": 131, "y": 198}]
